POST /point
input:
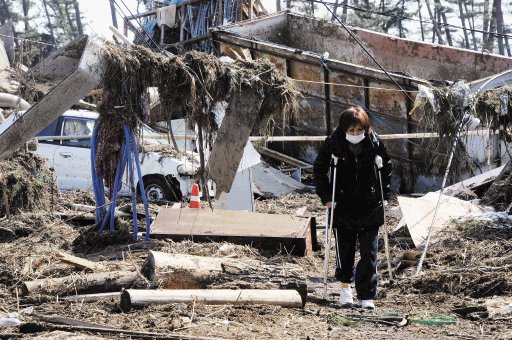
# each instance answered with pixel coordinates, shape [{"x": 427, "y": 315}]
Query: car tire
[{"x": 158, "y": 188}]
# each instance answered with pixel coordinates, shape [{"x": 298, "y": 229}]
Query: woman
[{"x": 358, "y": 208}]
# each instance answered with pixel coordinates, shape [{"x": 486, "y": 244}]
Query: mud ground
[{"x": 471, "y": 265}]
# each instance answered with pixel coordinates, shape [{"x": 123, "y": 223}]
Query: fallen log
[
  {"x": 95, "y": 283},
  {"x": 179, "y": 271},
  {"x": 131, "y": 298}
]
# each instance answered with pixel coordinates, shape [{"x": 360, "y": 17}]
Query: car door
[
  {"x": 46, "y": 147},
  {"x": 72, "y": 158}
]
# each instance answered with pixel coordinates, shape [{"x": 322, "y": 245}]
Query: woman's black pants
[{"x": 365, "y": 274}]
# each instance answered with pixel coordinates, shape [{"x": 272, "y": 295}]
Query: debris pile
[{"x": 26, "y": 184}]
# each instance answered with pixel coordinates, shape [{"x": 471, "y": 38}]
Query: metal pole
[
  {"x": 329, "y": 223},
  {"x": 452, "y": 152}
]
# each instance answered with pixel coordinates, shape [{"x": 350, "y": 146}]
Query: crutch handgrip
[{"x": 378, "y": 162}]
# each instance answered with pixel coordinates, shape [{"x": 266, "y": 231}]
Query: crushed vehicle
[{"x": 65, "y": 143}]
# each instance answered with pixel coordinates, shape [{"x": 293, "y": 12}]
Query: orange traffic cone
[{"x": 194, "y": 197}]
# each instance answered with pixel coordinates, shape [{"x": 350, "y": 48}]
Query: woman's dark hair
[{"x": 354, "y": 115}]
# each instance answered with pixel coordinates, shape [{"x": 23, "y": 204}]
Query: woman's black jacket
[{"x": 358, "y": 198}]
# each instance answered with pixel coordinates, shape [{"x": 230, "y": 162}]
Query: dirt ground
[{"x": 472, "y": 264}]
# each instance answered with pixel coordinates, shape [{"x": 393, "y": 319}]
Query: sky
[{"x": 98, "y": 16}]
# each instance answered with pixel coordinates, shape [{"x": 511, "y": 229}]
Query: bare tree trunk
[
  {"x": 278, "y": 5},
  {"x": 288, "y": 3},
  {"x": 435, "y": 28},
  {"x": 441, "y": 11},
  {"x": 78, "y": 18},
  {"x": 50, "y": 26},
  {"x": 507, "y": 45},
  {"x": 59, "y": 22},
  {"x": 485, "y": 27},
  {"x": 70, "y": 22},
  {"x": 463, "y": 21},
  {"x": 489, "y": 44},
  {"x": 499, "y": 26},
  {"x": 344, "y": 13},
  {"x": 25, "y": 4},
  {"x": 471, "y": 22},
  {"x": 400, "y": 21},
  {"x": 114, "y": 16},
  {"x": 5, "y": 14},
  {"x": 421, "y": 22},
  {"x": 334, "y": 10}
]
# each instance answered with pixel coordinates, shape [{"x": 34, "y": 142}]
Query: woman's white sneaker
[
  {"x": 346, "y": 298},
  {"x": 366, "y": 304}
]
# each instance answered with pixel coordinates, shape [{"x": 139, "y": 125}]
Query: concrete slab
[
  {"x": 76, "y": 69},
  {"x": 270, "y": 231}
]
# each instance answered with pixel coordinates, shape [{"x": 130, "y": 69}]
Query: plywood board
[
  {"x": 271, "y": 231},
  {"x": 419, "y": 212}
]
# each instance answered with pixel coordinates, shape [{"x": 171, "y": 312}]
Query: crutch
[
  {"x": 378, "y": 163},
  {"x": 328, "y": 222}
]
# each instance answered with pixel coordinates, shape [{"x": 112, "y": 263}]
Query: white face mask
[{"x": 355, "y": 139}]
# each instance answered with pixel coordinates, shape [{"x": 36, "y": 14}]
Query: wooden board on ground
[
  {"x": 473, "y": 182},
  {"x": 270, "y": 231}
]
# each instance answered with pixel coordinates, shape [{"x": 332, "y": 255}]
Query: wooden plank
[
  {"x": 382, "y": 136},
  {"x": 80, "y": 262},
  {"x": 473, "y": 182},
  {"x": 284, "y": 158},
  {"x": 69, "y": 324},
  {"x": 270, "y": 231}
]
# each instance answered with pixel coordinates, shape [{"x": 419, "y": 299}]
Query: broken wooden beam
[
  {"x": 289, "y": 234},
  {"x": 96, "y": 282},
  {"x": 91, "y": 297},
  {"x": 131, "y": 298},
  {"x": 239, "y": 120},
  {"x": 179, "y": 271},
  {"x": 57, "y": 322},
  {"x": 80, "y": 263}
]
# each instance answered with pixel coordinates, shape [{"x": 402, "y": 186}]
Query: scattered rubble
[{"x": 26, "y": 184}]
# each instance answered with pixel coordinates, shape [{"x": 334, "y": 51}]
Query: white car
[{"x": 164, "y": 177}]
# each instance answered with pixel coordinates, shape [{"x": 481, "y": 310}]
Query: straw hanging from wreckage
[{"x": 189, "y": 86}]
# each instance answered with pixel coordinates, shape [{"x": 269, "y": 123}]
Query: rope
[
  {"x": 347, "y": 85},
  {"x": 129, "y": 152}
]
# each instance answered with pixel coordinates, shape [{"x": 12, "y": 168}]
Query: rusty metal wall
[
  {"x": 327, "y": 93},
  {"x": 417, "y": 59}
]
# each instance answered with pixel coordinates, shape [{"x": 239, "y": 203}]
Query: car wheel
[{"x": 160, "y": 189}]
